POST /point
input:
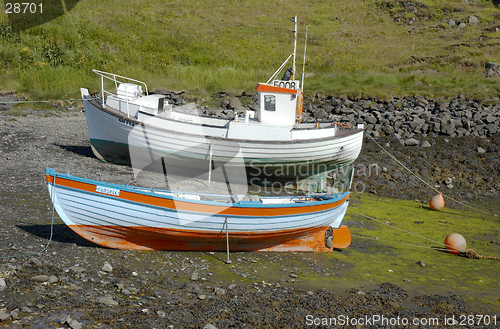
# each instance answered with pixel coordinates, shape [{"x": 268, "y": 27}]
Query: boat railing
[{"x": 117, "y": 80}]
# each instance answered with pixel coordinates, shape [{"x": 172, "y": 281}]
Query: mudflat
[{"x": 50, "y": 277}]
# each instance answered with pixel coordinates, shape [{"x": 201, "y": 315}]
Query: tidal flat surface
[{"x": 382, "y": 272}]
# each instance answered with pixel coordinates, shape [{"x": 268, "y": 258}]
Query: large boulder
[
  {"x": 473, "y": 20},
  {"x": 492, "y": 69}
]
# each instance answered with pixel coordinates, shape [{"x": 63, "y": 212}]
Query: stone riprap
[{"x": 404, "y": 118}]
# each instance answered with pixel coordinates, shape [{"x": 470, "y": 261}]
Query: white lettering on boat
[{"x": 107, "y": 190}]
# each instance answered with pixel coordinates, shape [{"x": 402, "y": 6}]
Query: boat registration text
[
  {"x": 124, "y": 121},
  {"x": 107, "y": 190}
]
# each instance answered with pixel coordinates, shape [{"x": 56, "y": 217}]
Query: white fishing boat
[
  {"x": 128, "y": 217},
  {"x": 272, "y": 142}
]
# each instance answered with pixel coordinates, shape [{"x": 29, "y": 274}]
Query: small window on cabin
[{"x": 270, "y": 103}]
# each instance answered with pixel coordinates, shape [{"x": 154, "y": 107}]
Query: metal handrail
[{"x": 114, "y": 77}]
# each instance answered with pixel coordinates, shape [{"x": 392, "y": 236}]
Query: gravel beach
[{"x": 75, "y": 284}]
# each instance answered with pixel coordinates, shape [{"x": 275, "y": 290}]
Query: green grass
[{"x": 357, "y": 48}]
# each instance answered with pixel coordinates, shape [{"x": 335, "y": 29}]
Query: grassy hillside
[{"x": 364, "y": 48}]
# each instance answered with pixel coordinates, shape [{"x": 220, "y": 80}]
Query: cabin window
[{"x": 270, "y": 103}]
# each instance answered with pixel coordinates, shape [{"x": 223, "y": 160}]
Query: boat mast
[
  {"x": 304, "y": 63},
  {"x": 294, "y": 19}
]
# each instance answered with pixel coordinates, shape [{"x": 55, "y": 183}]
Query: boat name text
[
  {"x": 125, "y": 121},
  {"x": 107, "y": 190}
]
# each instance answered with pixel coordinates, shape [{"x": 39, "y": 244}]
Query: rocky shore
[
  {"x": 403, "y": 118},
  {"x": 452, "y": 144},
  {"x": 75, "y": 284}
]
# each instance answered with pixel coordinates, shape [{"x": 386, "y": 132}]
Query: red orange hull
[{"x": 144, "y": 238}]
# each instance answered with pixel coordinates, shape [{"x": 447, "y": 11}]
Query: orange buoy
[
  {"x": 437, "y": 202},
  {"x": 455, "y": 243}
]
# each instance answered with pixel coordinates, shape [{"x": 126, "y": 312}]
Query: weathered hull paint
[
  {"x": 125, "y": 217},
  {"x": 146, "y": 238}
]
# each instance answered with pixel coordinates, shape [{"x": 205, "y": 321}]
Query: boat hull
[
  {"x": 124, "y": 217},
  {"x": 116, "y": 138},
  {"x": 146, "y": 238}
]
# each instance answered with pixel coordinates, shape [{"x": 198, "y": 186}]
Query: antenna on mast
[
  {"x": 304, "y": 63},
  {"x": 294, "y": 19}
]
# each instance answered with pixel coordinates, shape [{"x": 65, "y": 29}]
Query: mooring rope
[
  {"x": 45, "y": 101},
  {"x": 425, "y": 183},
  {"x": 469, "y": 253},
  {"x": 51, "y": 229},
  {"x": 392, "y": 226},
  {"x": 402, "y": 243}
]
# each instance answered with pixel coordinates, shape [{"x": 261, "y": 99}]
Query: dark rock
[
  {"x": 108, "y": 301},
  {"x": 448, "y": 129},
  {"x": 435, "y": 127},
  {"x": 4, "y": 316},
  {"x": 209, "y": 326},
  {"x": 490, "y": 119},
  {"x": 161, "y": 91},
  {"x": 40, "y": 278},
  {"x": 224, "y": 103},
  {"x": 388, "y": 130},
  {"x": 14, "y": 314},
  {"x": 320, "y": 114},
  {"x": 492, "y": 69},
  {"x": 412, "y": 142},
  {"x": 426, "y": 144},
  {"x": 192, "y": 288},
  {"x": 473, "y": 20},
  {"x": 492, "y": 128},
  {"x": 328, "y": 108},
  {"x": 234, "y": 103}
]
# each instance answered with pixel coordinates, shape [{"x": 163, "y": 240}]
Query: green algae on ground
[
  {"x": 411, "y": 256},
  {"x": 380, "y": 252}
]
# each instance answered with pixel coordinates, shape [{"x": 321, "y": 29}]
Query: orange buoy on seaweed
[
  {"x": 437, "y": 202},
  {"x": 455, "y": 243}
]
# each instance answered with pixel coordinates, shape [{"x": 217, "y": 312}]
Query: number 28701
[{"x": 23, "y": 8}]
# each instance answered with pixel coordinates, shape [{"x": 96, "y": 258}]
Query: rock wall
[
  {"x": 412, "y": 116},
  {"x": 404, "y": 118}
]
